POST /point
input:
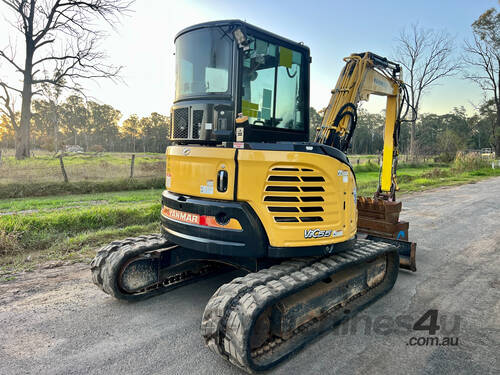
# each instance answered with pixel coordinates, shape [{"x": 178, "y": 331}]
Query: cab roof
[{"x": 256, "y": 30}]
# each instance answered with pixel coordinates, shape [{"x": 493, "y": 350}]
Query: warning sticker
[
  {"x": 345, "y": 176},
  {"x": 337, "y": 233},
  {"x": 208, "y": 188},
  {"x": 286, "y": 57},
  {"x": 249, "y": 109}
]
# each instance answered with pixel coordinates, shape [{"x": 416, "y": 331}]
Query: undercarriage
[{"x": 260, "y": 319}]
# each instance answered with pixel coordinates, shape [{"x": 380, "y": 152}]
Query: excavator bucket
[{"x": 379, "y": 219}]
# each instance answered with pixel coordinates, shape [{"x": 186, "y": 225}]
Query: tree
[
  {"x": 445, "y": 134},
  {"x": 75, "y": 116},
  {"x": 159, "y": 130},
  {"x": 315, "y": 120},
  {"x": 449, "y": 143},
  {"x": 45, "y": 25},
  {"x": 130, "y": 128},
  {"x": 42, "y": 119},
  {"x": 483, "y": 60},
  {"x": 369, "y": 135},
  {"x": 145, "y": 125},
  {"x": 426, "y": 56},
  {"x": 487, "y": 128},
  {"x": 102, "y": 129},
  {"x": 53, "y": 93},
  {"x": 6, "y": 131}
]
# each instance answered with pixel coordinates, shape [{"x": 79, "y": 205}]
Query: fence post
[
  {"x": 62, "y": 169},
  {"x": 132, "y": 166}
]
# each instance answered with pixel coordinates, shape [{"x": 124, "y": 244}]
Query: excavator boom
[{"x": 365, "y": 74}]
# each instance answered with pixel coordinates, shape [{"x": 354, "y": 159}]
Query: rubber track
[
  {"x": 231, "y": 312},
  {"x": 110, "y": 258}
]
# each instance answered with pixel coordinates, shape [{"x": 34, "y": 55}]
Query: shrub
[
  {"x": 405, "y": 178},
  {"x": 469, "y": 162},
  {"x": 436, "y": 173},
  {"x": 445, "y": 158},
  {"x": 9, "y": 243},
  {"x": 97, "y": 148},
  {"x": 367, "y": 167}
]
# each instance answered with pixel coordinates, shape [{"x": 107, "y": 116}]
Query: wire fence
[
  {"x": 81, "y": 167},
  {"x": 45, "y": 167}
]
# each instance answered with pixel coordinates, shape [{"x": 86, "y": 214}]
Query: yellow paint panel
[
  {"x": 255, "y": 167},
  {"x": 192, "y": 170},
  {"x": 387, "y": 157},
  {"x": 190, "y": 167}
]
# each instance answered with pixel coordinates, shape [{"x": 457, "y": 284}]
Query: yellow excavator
[{"x": 246, "y": 189}]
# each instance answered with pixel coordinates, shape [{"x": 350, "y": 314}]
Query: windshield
[{"x": 203, "y": 62}]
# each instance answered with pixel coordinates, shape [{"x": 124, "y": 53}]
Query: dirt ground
[{"x": 55, "y": 321}]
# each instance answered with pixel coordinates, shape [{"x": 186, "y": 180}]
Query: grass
[
  {"x": 77, "y": 201},
  {"x": 78, "y": 248},
  {"x": 413, "y": 180},
  {"x": 44, "y": 230},
  {"x": 70, "y": 227},
  {"x": 40, "y": 189}
]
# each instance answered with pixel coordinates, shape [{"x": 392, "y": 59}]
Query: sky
[{"x": 143, "y": 43}]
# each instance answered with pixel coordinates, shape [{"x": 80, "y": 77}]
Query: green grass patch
[
  {"x": 79, "y": 200},
  {"x": 41, "y": 230},
  {"x": 58, "y": 226}
]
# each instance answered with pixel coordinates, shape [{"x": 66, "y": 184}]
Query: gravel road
[{"x": 55, "y": 321}]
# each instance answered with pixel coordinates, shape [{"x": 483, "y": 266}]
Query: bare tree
[
  {"x": 483, "y": 60},
  {"x": 426, "y": 56},
  {"x": 60, "y": 48}
]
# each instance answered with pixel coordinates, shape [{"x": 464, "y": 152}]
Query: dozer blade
[
  {"x": 407, "y": 251},
  {"x": 258, "y": 320}
]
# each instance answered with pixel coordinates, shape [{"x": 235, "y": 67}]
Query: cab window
[
  {"x": 272, "y": 92},
  {"x": 289, "y": 106}
]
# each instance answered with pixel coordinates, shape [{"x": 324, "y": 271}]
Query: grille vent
[
  {"x": 197, "y": 120},
  {"x": 294, "y": 194},
  {"x": 181, "y": 123}
]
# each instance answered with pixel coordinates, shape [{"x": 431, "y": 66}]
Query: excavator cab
[{"x": 227, "y": 69}]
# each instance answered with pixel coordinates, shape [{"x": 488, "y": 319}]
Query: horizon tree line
[
  {"x": 48, "y": 67},
  {"x": 90, "y": 125},
  {"x": 96, "y": 128}
]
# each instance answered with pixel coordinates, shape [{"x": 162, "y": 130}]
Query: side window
[
  {"x": 266, "y": 68},
  {"x": 289, "y": 97},
  {"x": 258, "y": 76}
]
